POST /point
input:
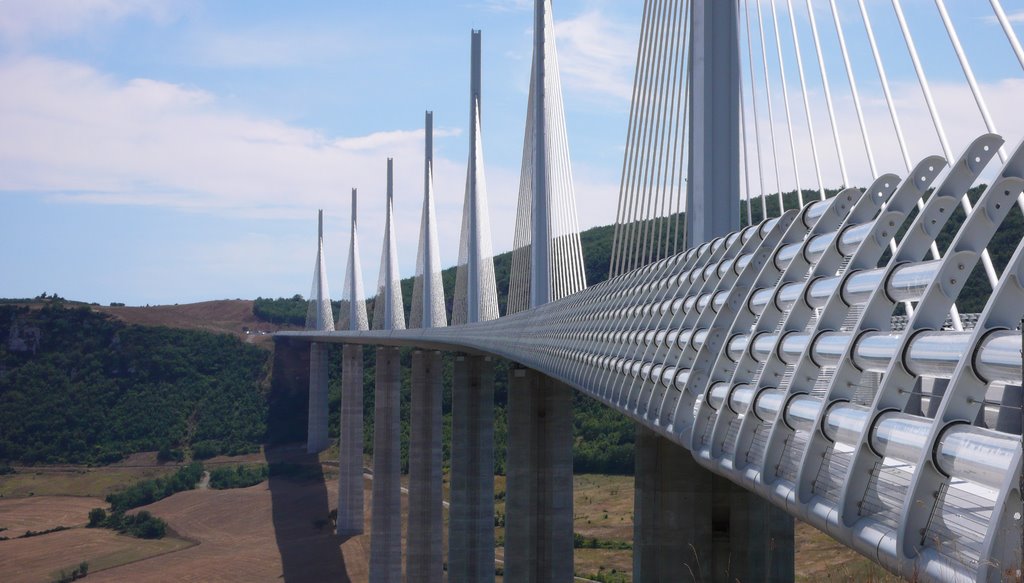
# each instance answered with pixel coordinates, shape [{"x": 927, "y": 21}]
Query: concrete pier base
[
  {"x": 386, "y": 519},
  {"x": 471, "y": 514},
  {"x": 316, "y": 432},
  {"x": 424, "y": 560},
  {"x": 350, "y": 443},
  {"x": 692, "y": 525},
  {"x": 538, "y": 522}
]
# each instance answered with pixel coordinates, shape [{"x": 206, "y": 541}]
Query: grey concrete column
[
  {"x": 316, "y": 428},
  {"x": 538, "y": 508},
  {"x": 671, "y": 510},
  {"x": 386, "y": 519},
  {"x": 471, "y": 513},
  {"x": 759, "y": 543},
  {"x": 692, "y": 525},
  {"x": 350, "y": 443},
  {"x": 424, "y": 550}
]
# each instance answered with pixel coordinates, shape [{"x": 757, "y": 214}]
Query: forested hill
[{"x": 80, "y": 386}]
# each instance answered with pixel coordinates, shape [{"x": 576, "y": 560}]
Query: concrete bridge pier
[
  {"x": 386, "y": 519},
  {"x": 350, "y": 443},
  {"x": 316, "y": 429},
  {"x": 694, "y": 526},
  {"x": 538, "y": 508},
  {"x": 424, "y": 550},
  {"x": 471, "y": 514}
]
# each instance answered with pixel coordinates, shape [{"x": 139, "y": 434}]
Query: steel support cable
[
  {"x": 620, "y": 218},
  {"x": 746, "y": 158},
  {"x": 1008, "y": 29},
  {"x": 972, "y": 82},
  {"x": 655, "y": 136},
  {"x": 891, "y": 105},
  {"x": 642, "y": 200},
  {"x": 558, "y": 262},
  {"x": 684, "y": 143},
  {"x": 668, "y": 178},
  {"x": 683, "y": 88},
  {"x": 568, "y": 229},
  {"x": 642, "y": 152},
  {"x": 807, "y": 102},
  {"x": 627, "y": 247},
  {"x": 886, "y": 92},
  {"x": 828, "y": 94},
  {"x": 771, "y": 117},
  {"x": 519, "y": 290},
  {"x": 667, "y": 118},
  {"x": 853, "y": 89},
  {"x": 785, "y": 102},
  {"x": 753, "y": 102},
  {"x": 574, "y": 277},
  {"x": 933, "y": 111}
]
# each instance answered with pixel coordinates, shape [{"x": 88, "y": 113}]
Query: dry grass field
[
  {"x": 223, "y": 316},
  {"x": 278, "y": 530},
  {"x": 41, "y": 558}
]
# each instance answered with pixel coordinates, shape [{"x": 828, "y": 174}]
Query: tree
[{"x": 97, "y": 516}]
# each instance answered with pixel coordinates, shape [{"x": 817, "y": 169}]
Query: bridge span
[{"x": 813, "y": 364}]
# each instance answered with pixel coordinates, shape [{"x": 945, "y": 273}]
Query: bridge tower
[
  {"x": 547, "y": 264},
  {"x": 388, "y": 314},
  {"x": 424, "y": 553},
  {"x": 351, "y": 316},
  {"x": 471, "y": 513},
  {"x": 319, "y": 317}
]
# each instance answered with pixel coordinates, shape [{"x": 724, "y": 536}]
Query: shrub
[
  {"x": 167, "y": 454},
  {"x": 238, "y": 476},
  {"x": 205, "y": 450},
  {"x": 149, "y": 491},
  {"x": 140, "y": 525},
  {"x": 97, "y": 516}
]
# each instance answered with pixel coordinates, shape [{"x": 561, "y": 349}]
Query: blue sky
[{"x": 163, "y": 151}]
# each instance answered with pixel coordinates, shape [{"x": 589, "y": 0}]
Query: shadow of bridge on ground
[{"x": 310, "y": 551}]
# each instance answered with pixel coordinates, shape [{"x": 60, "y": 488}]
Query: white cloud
[
  {"x": 1015, "y": 17},
  {"x": 596, "y": 55},
  {"x": 23, "y": 20},
  {"x": 508, "y": 5},
  {"x": 75, "y": 135},
  {"x": 958, "y": 113}
]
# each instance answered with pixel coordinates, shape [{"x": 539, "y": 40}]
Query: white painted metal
[{"x": 428, "y": 308}]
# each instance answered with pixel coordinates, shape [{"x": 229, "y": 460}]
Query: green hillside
[{"x": 81, "y": 387}]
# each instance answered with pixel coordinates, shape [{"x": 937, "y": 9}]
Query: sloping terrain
[{"x": 223, "y": 316}]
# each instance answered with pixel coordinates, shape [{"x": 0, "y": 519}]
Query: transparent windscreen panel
[
  {"x": 844, "y": 422},
  {"x": 768, "y": 404},
  {"x": 801, "y": 412},
  {"x": 977, "y": 454},
  {"x": 900, "y": 436}
]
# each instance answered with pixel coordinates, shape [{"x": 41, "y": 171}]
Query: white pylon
[
  {"x": 476, "y": 295},
  {"x": 352, "y": 314},
  {"x": 428, "y": 309},
  {"x": 319, "y": 314},
  {"x": 547, "y": 258},
  {"x": 388, "y": 308}
]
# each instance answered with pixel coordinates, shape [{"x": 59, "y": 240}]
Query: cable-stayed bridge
[{"x": 813, "y": 364}]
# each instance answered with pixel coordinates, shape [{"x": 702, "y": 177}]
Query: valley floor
[{"x": 280, "y": 529}]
